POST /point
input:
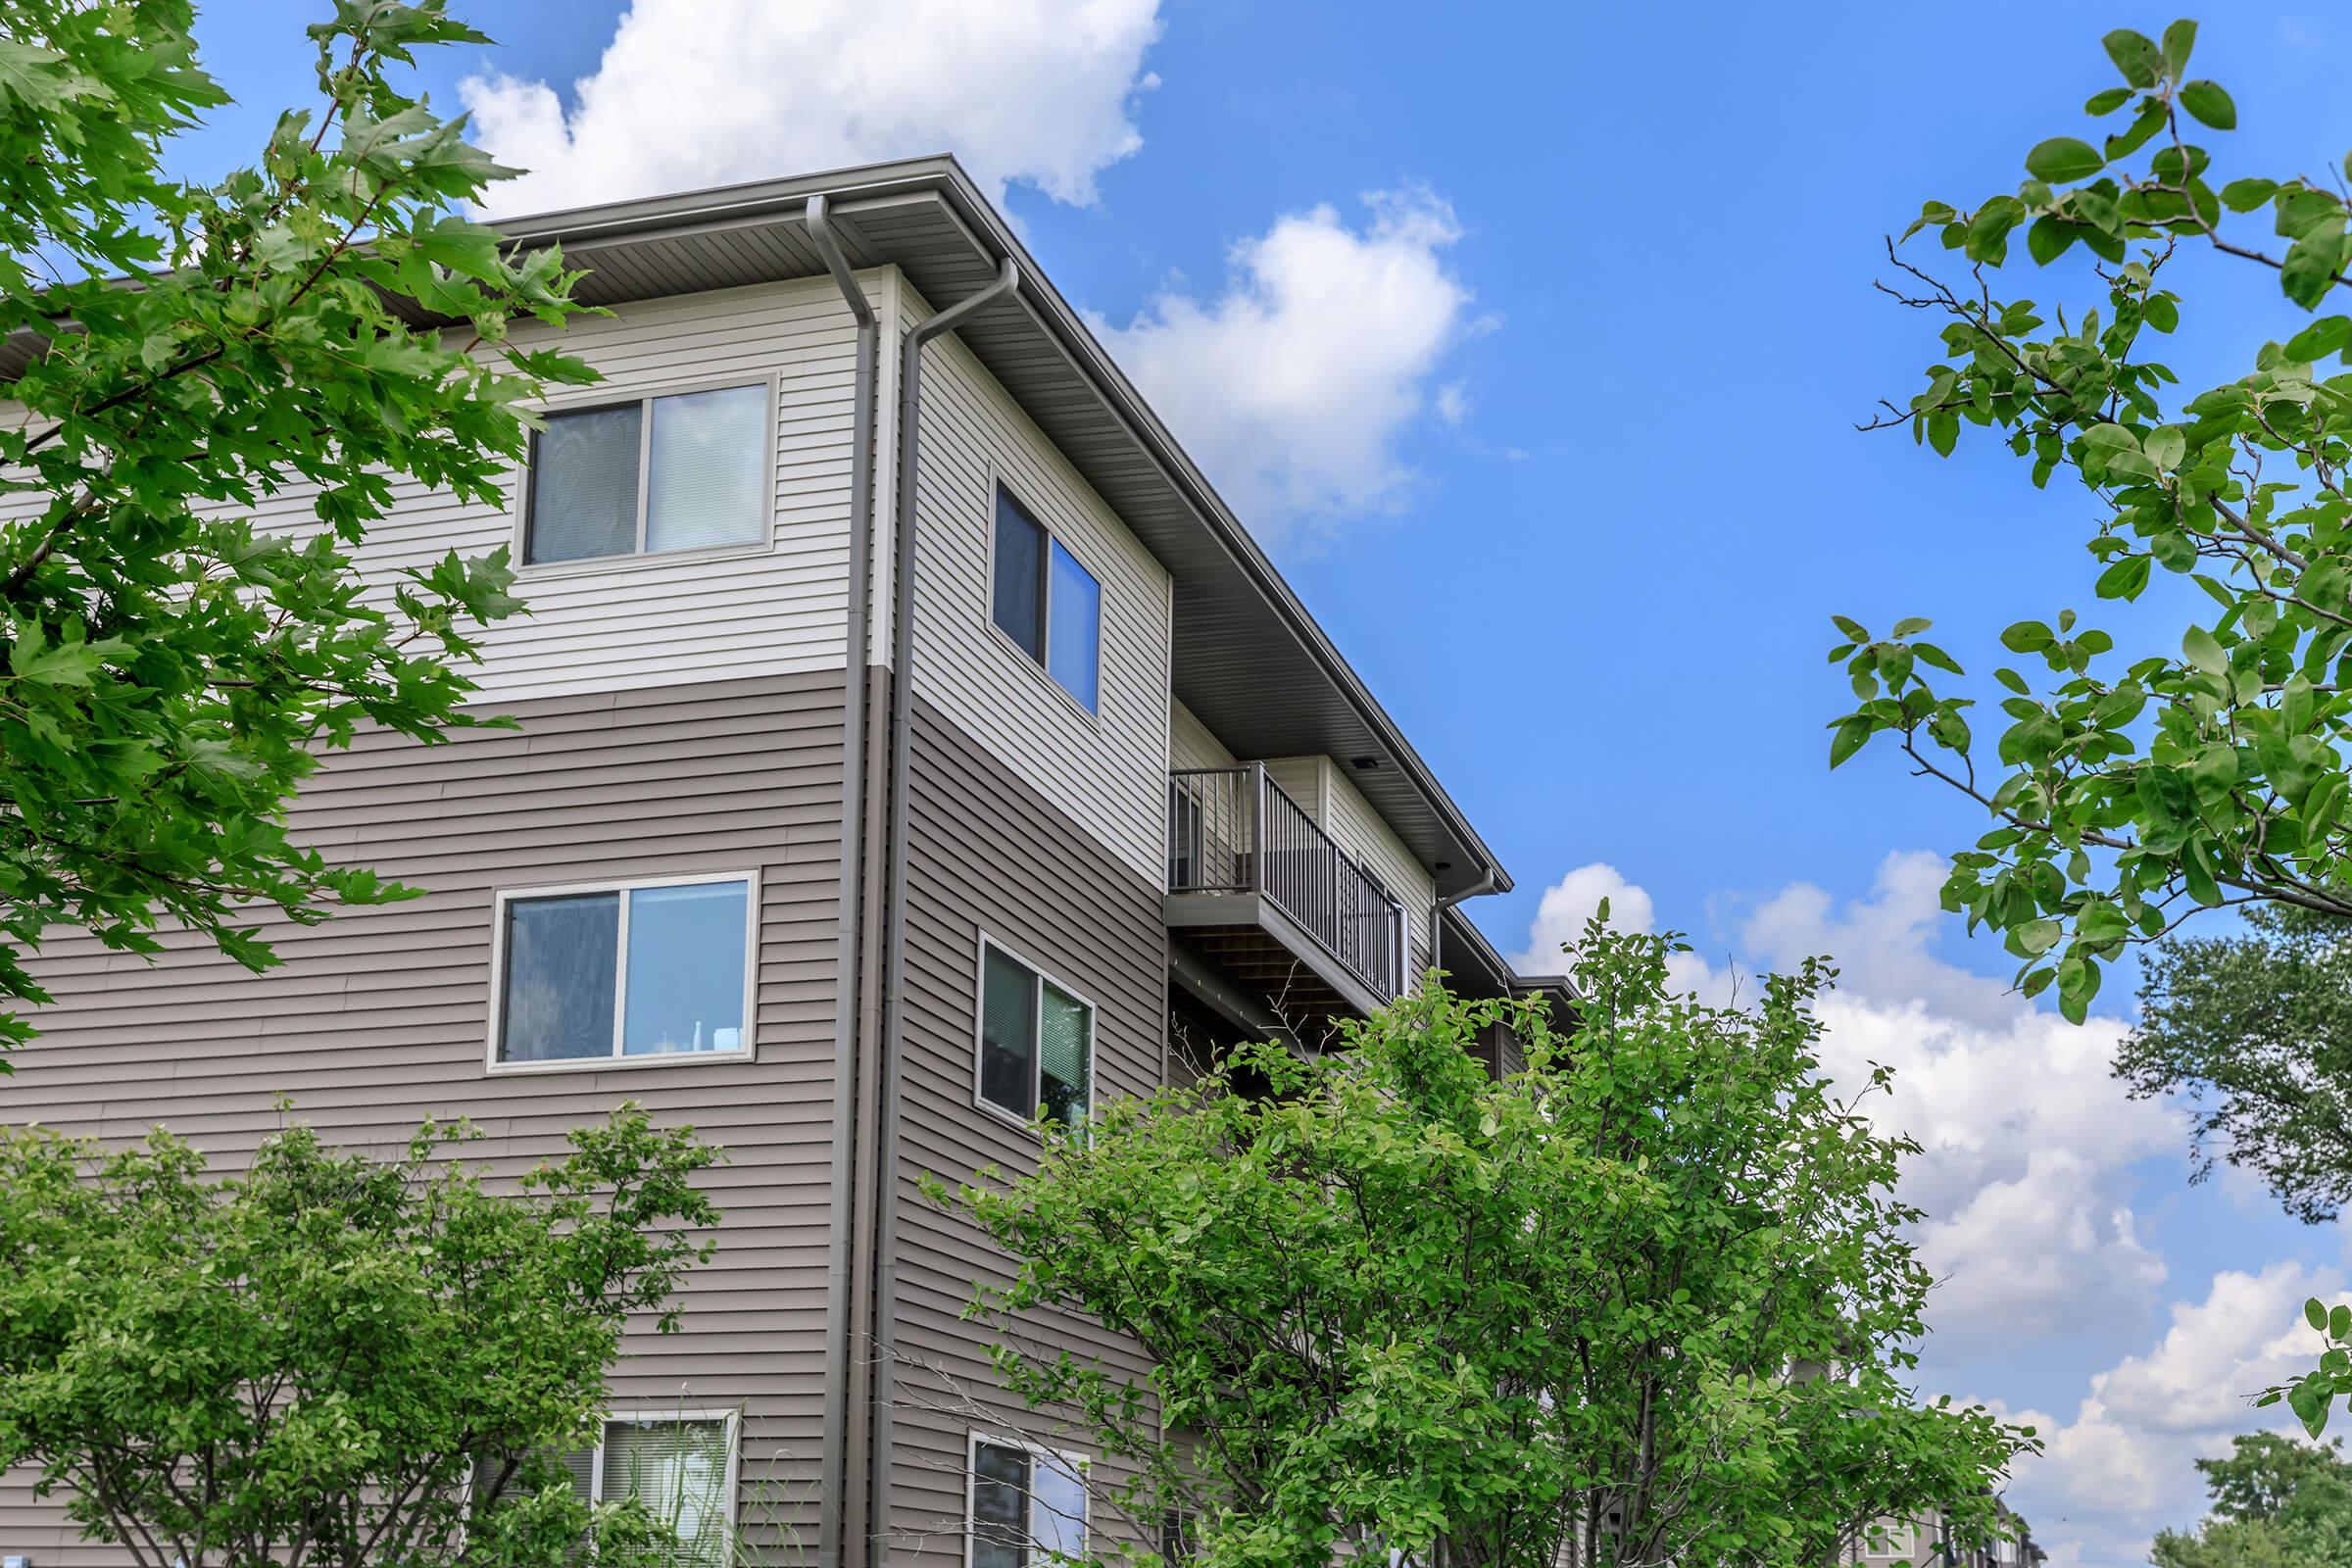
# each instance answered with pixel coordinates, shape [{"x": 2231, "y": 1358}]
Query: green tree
[
  {"x": 326, "y": 1359},
  {"x": 2276, "y": 1503},
  {"x": 169, "y": 356},
  {"x": 1646, "y": 1300},
  {"x": 2128, "y": 791},
  {"x": 2255, "y": 1031}
]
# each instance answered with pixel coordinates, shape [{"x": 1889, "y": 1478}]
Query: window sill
[
  {"x": 672, "y": 1058},
  {"x": 640, "y": 559}
]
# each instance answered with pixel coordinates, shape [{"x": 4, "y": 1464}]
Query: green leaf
[
  {"x": 1944, "y": 431},
  {"x": 1851, "y": 733},
  {"x": 2166, "y": 446},
  {"x": 2108, "y": 101},
  {"x": 2202, "y": 649},
  {"x": 2179, "y": 40},
  {"x": 2063, "y": 159},
  {"x": 2048, "y": 238},
  {"x": 2210, "y": 103},
  {"x": 2315, "y": 1314},
  {"x": 2161, "y": 312},
  {"x": 2037, "y": 937},
  {"x": 2026, "y": 636},
  {"x": 2134, "y": 55},
  {"x": 2126, "y": 578},
  {"x": 2322, "y": 337},
  {"x": 1911, "y": 625},
  {"x": 1988, "y": 236},
  {"x": 1929, "y": 654},
  {"x": 2309, "y": 269},
  {"x": 2244, "y": 195}
]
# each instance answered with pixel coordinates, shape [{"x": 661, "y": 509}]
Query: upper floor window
[
  {"x": 633, "y": 970},
  {"x": 1045, "y": 601},
  {"x": 673, "y": 472},
  {"x": 1037, "y": 1042},
  {"x": 1027, "y": 1505}
]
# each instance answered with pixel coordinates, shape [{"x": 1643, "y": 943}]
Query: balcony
[{"x": 1265, "y": 892}]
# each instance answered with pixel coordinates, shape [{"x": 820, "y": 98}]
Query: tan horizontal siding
[
  {"x": 989, "y": 854},
  {"x": 380, "y": 1018}
]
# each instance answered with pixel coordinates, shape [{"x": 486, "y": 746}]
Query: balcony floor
[{"x": 1252, "y": 938}]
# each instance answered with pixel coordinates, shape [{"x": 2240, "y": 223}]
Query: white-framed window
[
  {"x": 689, "y": 470},
  {"x": 1884, "y": 1539},
  {"x": 623, "y": 973},
  {"x": 681, "y": 1465},
  {"x": 1034, "y": 1048},
  {"x": 1044, "y": 601},
  {"x": 1023, "y": 1504}
]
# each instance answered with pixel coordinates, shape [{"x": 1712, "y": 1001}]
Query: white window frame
[
  {"x": 746, "y": 1052},
  {"x": 1077, "y": 1463},
  {"x": 730, "y": 1421},
  {"x": 591, "y": 400},
  {"x": 1042, "y": 664},
  {"x": 1042, "y": 977}
]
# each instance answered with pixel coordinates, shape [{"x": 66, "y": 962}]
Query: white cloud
[
  {"x": 693, "y": 93},
  {"x": 2025, "y": 1137},
  {"x": 2027, "y": 1144},
  {"x": 1294, "y": 387},
  {"x": 2122, "y": 1467},
  {"x": 1571, "y": 901}
]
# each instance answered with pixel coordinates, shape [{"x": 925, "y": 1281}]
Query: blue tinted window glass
[
  {"x": 686, "y": 947},
  {"x": 1074, "y": 649},
  {"x": 1019, "y": 578},
  {"x": 555, "y": 997}
]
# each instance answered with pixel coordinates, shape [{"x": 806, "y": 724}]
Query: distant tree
[
  {"x": 329, "y": 318},
  {"x": 1648, "y": 1300},
  {"x": 2276, "y": 1503},
  {"x": 329, "y": 1359},
  {"x": 2255, "y": 1031},
  {"x": 2209, "y": 771}
]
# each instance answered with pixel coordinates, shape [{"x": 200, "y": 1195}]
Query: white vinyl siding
[
  {"x": 1107, "y": 770},
  {"x": 623, "y": 622},
  {"x": 1190, "y": 743}
]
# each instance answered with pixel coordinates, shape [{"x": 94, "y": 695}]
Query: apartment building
[
  {"x": 909, "y": 738},
  {"x": 1934, "y": 1543}
]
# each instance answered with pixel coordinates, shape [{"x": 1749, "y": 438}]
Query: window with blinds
[
  {"x": 1027, "y": 1506},
  {"x": 685, "y": 471},
  {"x": 680, "y": 1468},
  {"x": 1036, "y": 1045}
]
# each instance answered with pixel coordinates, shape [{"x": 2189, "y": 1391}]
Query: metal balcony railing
[{"x": 1234, "y": 830}]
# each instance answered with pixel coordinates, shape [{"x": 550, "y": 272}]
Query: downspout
[
  {"x": 834, "y": 1462},
  {"x": 1437, "y": 915},
  {"x": 894, "y": 894}
]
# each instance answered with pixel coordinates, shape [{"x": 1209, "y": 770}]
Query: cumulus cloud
[
  {"x": 2122, "y": 1467},
  {"x": 1294, "y": 386},
  {"x": 2025, "y": 1138},
  {"x": 708, "y": 92},
  {"x": 2027, "y": 1144}
]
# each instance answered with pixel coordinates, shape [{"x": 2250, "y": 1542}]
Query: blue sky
[{"x": 1580, "y": 493}]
